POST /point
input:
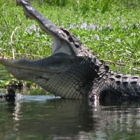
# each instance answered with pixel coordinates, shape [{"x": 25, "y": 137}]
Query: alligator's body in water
[{"x": 72, "y": 71}]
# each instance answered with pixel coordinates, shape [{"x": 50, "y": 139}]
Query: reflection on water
[{"x": 49, "y": 118}]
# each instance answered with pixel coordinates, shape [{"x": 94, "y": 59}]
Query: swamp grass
[{"x": 111, "y": 29}]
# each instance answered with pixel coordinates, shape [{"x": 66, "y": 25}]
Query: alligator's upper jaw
[{"x": 60, "y": 38}]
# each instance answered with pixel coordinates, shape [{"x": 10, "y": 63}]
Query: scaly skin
[{"x": 72, "y": 71}]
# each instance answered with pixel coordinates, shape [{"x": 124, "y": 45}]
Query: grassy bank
[{"x": 110, "y": 28}]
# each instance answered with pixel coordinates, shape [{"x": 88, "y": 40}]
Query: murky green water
[{"x": 47, "y": 118}]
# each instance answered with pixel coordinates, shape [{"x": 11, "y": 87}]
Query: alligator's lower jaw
[{"x": 57, "y": 84}]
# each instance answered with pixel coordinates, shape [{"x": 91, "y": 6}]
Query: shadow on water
[{"x": 47, "y": 118}]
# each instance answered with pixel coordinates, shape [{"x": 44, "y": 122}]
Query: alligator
[{"x": 72, "y": 71}]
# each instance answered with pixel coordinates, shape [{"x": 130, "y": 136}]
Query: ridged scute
[
  {"x": 119, "y": 87},
  {"x": 77, "y": 43}
]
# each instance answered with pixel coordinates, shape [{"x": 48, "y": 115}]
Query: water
[{"x": 50, "y": 118}]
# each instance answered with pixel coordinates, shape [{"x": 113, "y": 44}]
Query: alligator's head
[{"x": 69, "y": 71}]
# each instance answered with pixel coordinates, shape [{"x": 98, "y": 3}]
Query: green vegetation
[{"x": 110, "y": 28}]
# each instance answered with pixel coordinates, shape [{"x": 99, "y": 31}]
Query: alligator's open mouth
[{"x": 64, "y": 46}]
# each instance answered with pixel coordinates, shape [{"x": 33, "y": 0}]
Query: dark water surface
[{"x": 48, "y": 118}]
